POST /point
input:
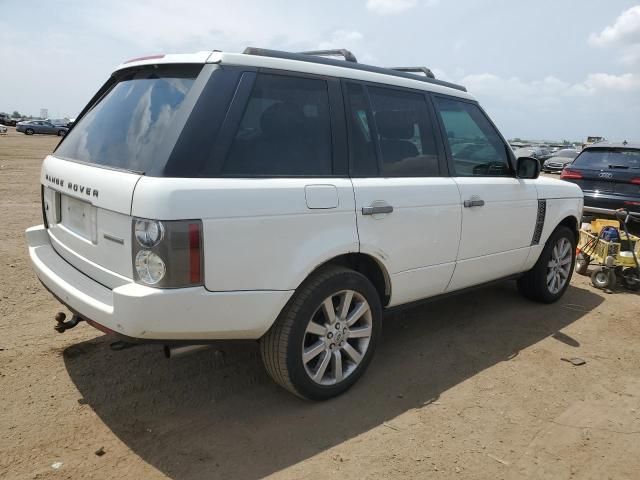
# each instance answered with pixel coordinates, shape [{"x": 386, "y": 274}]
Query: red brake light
[
  {"x": 148, "y": 57},
  {"x": 194, "y": 252},
  {"x": 635, "y": 181},
  {"x": 570, "y": 174}
]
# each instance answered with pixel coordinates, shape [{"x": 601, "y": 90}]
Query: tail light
[
  {"x": 568, "y": 174},
  {"x": 635, "y": 181},
  {"x": 167, "y": 254}
]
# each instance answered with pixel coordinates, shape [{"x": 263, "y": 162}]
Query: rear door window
[
  {"x": 285, "y": 129},
  {"x": 475, "y": 145},
  {"x": 405, "y": 133},
  {"x": 127, "y": 126}
]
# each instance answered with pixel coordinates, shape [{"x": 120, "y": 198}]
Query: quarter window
[
  {"x": 285, "y": 129},
  {"x": 476, "y": 147}
]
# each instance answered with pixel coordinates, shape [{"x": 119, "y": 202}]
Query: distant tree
[
  {"x": 517, "y": 139},
  {"x": 15, "y": 114}
]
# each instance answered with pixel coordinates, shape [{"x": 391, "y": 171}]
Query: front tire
[
  {"x": 29, "y": 131},
  {"x": 549, "y": 278},
  {"x": 325, "y": 337},
  {"x": 61, "y": 133}
]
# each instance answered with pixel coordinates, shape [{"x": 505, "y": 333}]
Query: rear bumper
[
  {"x": 608, "y": 204},
  {"x": 146, "y": 313}
]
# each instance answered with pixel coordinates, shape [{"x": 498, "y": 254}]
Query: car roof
[
  {"x": 631, "y": 145},
  {"x": 305, "y": 63}
]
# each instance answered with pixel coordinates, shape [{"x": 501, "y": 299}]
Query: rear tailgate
[{"x": 88, "y": 213}]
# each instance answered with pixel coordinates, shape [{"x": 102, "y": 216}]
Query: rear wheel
[
  {"x": 61, "y": 133},
  {"x": 603, "y": 278},
  {"x": 323, "y": 340},
  {"x": 582, "y": 263},
  {"x": 29, "y": 131},
  {"x": 549, "y": 278},
  {"x": 631, "y": 278}
]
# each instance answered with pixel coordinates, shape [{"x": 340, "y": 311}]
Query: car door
[
  {"x": 499, "y": 210},
  {"x": 408, "y": 212}
]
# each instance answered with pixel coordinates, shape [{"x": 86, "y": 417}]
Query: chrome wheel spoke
[
  {"x": 361, "y": 332},
  {"x": 329, "y": 310},
  {"x": 313, "y": 351},
  {"x": 352, "y": 352},
  {"x": 550, "y": 276},
  {"x": 360, "y": 310},
  {"x": 345, "y": 303},
  {"x": 322, "y": 367},
  {"x": 316, "y": 329},
  {"x": 337, "y": 366}
]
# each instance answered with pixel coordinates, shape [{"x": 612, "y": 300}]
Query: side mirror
[{"x": 528, "y": 167}]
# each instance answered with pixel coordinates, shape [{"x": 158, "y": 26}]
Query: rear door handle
[
  {"x": 474, "y": 202},
  {"x": 373, "y": 210}
]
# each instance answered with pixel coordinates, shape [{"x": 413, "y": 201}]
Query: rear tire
[
  {"x": 61, "y": 133},
  {"x": 306, "y": 353},
  {"x": 28, "y": 131},
  {"x": 549, "y": 278},
  {"x": 582, "y": 263},
  {"x": 603, "y": 278}
]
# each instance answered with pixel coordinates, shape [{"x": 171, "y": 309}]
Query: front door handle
[
  {"x": 474, "y": 202},
  {"x": 376, "y": 209}
]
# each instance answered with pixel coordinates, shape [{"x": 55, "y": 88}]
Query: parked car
[
  {"x": 609, "y": 176},
  {"x": 291, "y": 199},
  {"x": 560, "y": 159},
  {"x": 3, "y": 129},
  {"x": 539, "y": 153},
  {"x": 7, "y": 121},
  {"x": 41, "y": 126}
]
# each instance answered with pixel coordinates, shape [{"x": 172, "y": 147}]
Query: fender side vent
[{"x": 537, "y": 232}]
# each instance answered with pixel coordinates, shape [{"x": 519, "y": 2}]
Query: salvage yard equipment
[{"x": 615, "y": 252}]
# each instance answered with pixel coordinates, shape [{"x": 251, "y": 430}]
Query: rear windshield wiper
[{"x": 619, "y": 166}]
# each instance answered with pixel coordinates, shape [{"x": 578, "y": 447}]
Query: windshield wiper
[{"x": 619, "y": 166}]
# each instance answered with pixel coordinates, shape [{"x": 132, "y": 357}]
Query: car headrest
[
  {"x": 282, "y": 119},
  {"x": 394, "y": 124}
]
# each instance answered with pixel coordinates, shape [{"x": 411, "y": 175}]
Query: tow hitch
[{"x": 62, "y": 326}]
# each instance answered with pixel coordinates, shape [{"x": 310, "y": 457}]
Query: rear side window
[
  {"x": 600, "y": 158},
  {"x": 393, "y": 138},
  {"x": 285, "y": 129},
  {"x": 405, "y": 134},
  {"x": 124, "y": 129},
  {"x": 476, "y": 147}
]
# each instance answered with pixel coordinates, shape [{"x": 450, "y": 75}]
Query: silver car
[{"x": 40, "y": 126}]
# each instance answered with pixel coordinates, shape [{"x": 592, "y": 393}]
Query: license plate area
[{"x": 79, "y": 218}]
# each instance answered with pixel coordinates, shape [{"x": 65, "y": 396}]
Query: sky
[{"x": 549, "y": 69}]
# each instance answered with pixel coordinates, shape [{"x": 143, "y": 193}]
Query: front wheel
[
  {"x": 61, "y": 133},
  {"x": 29, "y": 131},
  {"x": 603, "y": 278},
  {"x": 549, "y": 278},
  {"x": 323, "y": 340}
]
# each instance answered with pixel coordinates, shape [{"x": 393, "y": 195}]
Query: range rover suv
[{"x": 288, "y": 198}]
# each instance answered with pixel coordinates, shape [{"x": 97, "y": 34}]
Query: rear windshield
[
  {"x": 125, "y": 129},
  {"x": 600, "y": 158}
]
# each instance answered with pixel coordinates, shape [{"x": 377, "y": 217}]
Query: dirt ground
[{"x": 467, "y": 387}]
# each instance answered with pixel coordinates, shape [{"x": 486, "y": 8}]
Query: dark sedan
[
  {"x": 559, "y": 160},
  {"x": 609, "y": 175},
  {"x": 41, "y": 126}
]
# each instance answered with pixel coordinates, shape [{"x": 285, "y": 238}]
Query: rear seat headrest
[{"x": 394, "y": 124}]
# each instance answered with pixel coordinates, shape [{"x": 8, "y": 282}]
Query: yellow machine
[{"x": 615, "y": 257}]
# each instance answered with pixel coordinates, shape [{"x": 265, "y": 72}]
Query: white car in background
[{"x": 291, "y": 199}]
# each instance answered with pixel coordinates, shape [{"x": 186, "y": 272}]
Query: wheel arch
[
  {"x": 571, "y": 223},
  {"x": 368, "y": 266}
]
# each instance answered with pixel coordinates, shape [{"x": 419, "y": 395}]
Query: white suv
[{"x": 290, "y": 198}]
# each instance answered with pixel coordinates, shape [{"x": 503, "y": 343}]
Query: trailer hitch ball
[{"x": 62, "y": 326}]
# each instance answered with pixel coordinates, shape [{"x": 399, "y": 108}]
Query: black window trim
[
  {"x": 443, "y": 163},
  {"x": 450, "y": 162},
  {"x": 336, "y": 118}
]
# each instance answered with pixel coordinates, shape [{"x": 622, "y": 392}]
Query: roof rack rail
[
  {"x": 343, "y": 52},
  {"x": 428, "y": 73},
  {"x": 301, "y": 57}
]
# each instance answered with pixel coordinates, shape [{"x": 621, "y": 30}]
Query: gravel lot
[{"x": 467, "y": 387}]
